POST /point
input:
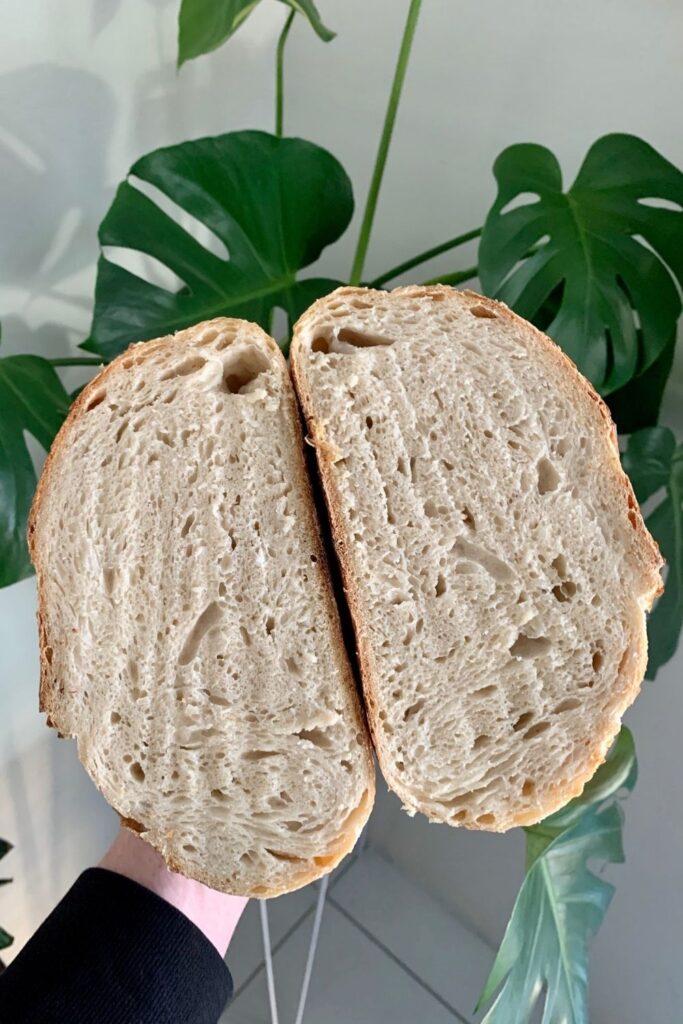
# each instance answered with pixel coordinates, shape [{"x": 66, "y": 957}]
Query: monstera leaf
[
  {"x": 32, "y": 400},
  {"x": 204, "y": 25},
  {"x": 601, "y": 256},
  {"x": 274, "y": 203},
  {"x": 561, "y": 903},
  {"x": 637, "y": 404},
  {"x": 654, "y": 463}
]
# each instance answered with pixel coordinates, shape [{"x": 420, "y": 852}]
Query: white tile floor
[{"x": 388, "y": 952}]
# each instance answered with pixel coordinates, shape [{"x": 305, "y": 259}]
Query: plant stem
[
  {"x": 385, "y": 141},
  {"x": 456, "y": 278},
  {"x": 280, "y": 74},
  {"x": 77, "y": 361},
  {"x": 422, "y": 257}
]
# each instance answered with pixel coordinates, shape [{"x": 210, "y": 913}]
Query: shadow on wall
[
  {"x": 104, "y": 11},
  {"x": 55, "y": 128},
  {"x": 207, "y": 96}
]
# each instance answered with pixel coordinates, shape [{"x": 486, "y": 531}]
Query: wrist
[{"x": 216, "y": 914}]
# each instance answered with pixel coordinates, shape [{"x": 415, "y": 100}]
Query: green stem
[
  {"x": 385, "y": 141},
  {"x": 456, "y": 278},
  {"x": 77, "y": 361},
  {"x": 280, "y": 74},
  {"x": 422, "y": 257}
]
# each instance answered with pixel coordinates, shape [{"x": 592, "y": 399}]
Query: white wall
[{"x": 89, "y": 85}]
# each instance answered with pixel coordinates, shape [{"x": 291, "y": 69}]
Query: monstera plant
[{"x": 598, "y": 265}]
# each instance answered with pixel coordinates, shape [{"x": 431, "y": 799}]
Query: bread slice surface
[
  {"x": 189, "y": 638},
  {"x": 495, "y": 561}
]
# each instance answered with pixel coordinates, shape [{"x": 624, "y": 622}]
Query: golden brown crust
[
  {"x": 138, "y": 353},
  {"x": 651, "y": 558}
]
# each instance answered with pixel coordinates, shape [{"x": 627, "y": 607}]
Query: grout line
[
  {"x": 290, "y": 931},
  {"x": 400, "y": 963}
]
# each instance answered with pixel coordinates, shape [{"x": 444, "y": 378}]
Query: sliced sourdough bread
[
  {"x": 189, "y": 636},
  {"x": 495, "y": 561}
]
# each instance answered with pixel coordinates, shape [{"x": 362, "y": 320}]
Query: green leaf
[
  {"x": 637, "y": 404},
  {"x": 33, "y": 400},
  {"x": 204, "y": 25},
  {"x": 274, "y": 203},
  {"x": 561, "y": 902},
  {"x": 5, "y": 939},
  {"x": 654, "y": 463},
  {"x": 619, "y": 771},
  {"x": 610, "y": 256}
]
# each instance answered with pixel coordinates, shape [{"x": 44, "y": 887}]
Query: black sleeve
[{"x": 114, "y": 951}]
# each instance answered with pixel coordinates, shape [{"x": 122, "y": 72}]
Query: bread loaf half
[
  {"x": 495, "y": 560},
  {"x": 189, "y": 637}
]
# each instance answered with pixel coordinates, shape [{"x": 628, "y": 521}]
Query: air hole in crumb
[
  {"x": 570, "y": 704},
  {"x": 480, "y": 742},
  {"x": 597, "y": 661},
  {"x": 189, "y": 848},
  {"x": 460, "y": 816},
  {"x": 293, "y": 667},
  {"x": 361, "y": 340},
  {"x": 560, "y": 566},
  {"x": 318, "y": 737},
  {"x": 548, "y": 477},
  {"x": 369, "y": 422},
  {"x": 468, "y": 518},
  {"x": 282, "y": 855},
  {"x": 413, "y": 710},
  {"x": 522, "y": 721},
  {"x": 47, "y": 654},
  {"x": 137, "y": 771},
  {"x": 529, "y": 787},
  {"x": 218, "y": 794},
  {"x": 564, "y": 591},
  {"x": 485, "y": 691},
  {"x": 320, "y": 344},
  {"x": 209, "y": 618},
  {"x": 482, "y": 312},
  {"x": 96, "y": 400},
  {"x": 530, "y": 646},
  {"x": 241, "y": 368},
  {"x": 486, "y": 819},
  {"x": 440, "y": 588},
  {"x": 536, "y": 730},
  {"x": 270, "y": 624},
  {"x": 115, "y": 718},
  {"x": 183, "y": 369}
]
